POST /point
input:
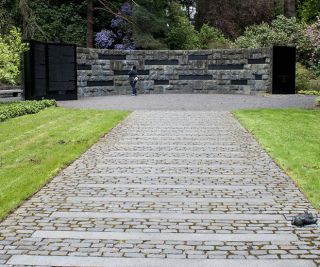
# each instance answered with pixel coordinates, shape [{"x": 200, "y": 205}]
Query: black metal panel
[
  {"x": 50, "y": 71},
  {"x": 125, "y": 72},
  {"x": 161, "y": 82},
  {"x": 239, "y": 82},
  {"x": 257, "y": 61},
  {"x": 257, "y": 77},
  {"x": 100, "y": 83},
  {"x": 112, "y": 57},
  {"x": 61, "y": 68},
  {"x": 226, "y": 67},
  {"x": 84, "y": 67},
  {"x": 162, "y": 62},
  {"x": 284, "y": 69},
  {"x": 198, "y": 57},
  {"x": 195, "y": 77}
]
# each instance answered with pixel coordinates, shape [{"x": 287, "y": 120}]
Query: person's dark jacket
[{"x": 132, "y": 74}]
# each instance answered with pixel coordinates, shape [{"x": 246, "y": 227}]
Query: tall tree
[
  {"x": 90, "y": 23},
  {"x": 290, "y": 8},
  {"x": 232, "y": 16}
]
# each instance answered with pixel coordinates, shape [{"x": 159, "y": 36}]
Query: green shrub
[
  {"x": 309, "y": 92},
  {"x": 282, "y": 31},
  {"x": 183, "y": 35},
  {"x": 318, "y": 101},
  {"x": 16, "y": 109},
  {"x": 303, "y": 77},
  {"x": 11, "y": 47},
  {"x": 212, "y": 38}
]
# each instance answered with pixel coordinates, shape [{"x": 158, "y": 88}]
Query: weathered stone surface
[
  {"x": 184, "y": 71},
  {"x": 179, "y": 185},
  {"x": 102, "y": 262}
]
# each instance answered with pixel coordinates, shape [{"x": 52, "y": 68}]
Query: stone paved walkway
[
  {"x": 165, "y": 189},
  {"x": 212, "y": 102}
]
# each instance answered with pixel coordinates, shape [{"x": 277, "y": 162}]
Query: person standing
[{"x": 133, "y": 78}]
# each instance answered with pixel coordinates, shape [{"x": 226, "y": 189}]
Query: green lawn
[
  {"x": 292, "y": 138},
  {"x": 33, "y": 148}
]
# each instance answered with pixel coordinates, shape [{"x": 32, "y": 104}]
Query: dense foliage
[
  {"x": 11, "y": 47},
  {"x": 162, "y": 24},
  {"x": 120, "y": 35},
  {"x": 313, "y": 34},
  {"x": 61, "y": 23},
  {"x": 16, "y": 109},
  {"x": 282, "y": 31}
]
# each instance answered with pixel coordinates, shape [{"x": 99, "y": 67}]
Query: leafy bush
[
  {"x": 183, "y": 35},
  {"x": 282, "y": 31},
  {"x": 308, "y": 10},
  {"x": 318, "y": 101},
  {"x": 16, "y": 109},
  {"x": 61, "y": 23},
  {"x": 313, "y": 34},
  {"x": 211, "y": 38},
  {"x": 11, "y": 47},
  {"x": 309, "y": 92},
  {"x": 303, "y": 77}
]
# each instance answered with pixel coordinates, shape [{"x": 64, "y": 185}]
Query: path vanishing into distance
[{"x": 165, "y": 189}]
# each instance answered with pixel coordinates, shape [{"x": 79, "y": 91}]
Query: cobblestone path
[{"x": 165, "y": 189}]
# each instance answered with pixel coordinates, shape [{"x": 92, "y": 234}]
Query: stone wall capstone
[{"x": 104, "y": 72}]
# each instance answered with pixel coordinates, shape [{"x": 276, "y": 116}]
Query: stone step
[
  {"x": 168, "y": 166},
  {"x": 171, "y": 216},
  {"x": 277, "y": 238},
  {"x": 133, "y": 161},
  {"x": 178, "y": 143},
  {"x": 207, "y": 159},
  {"x": 161, "y": 186},
  {"x": 87, "y": 199},
  {"x": 187, "y": 145},
  {"x": 170, "y": 154},
  {"x": 176, "y": 175},
  {"x": 148, "y": 262},
  {"x": 183, "y": 178},
  {"x": 173, "y": 148}
]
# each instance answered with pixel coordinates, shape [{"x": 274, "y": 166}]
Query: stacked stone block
[{"x": 105, "y": 72}]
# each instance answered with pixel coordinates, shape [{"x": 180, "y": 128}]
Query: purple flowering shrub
[
  {"x": 105, "y": 39},
  {"x": 120, "y": 35},
  {"x": 313, "y": 33}
]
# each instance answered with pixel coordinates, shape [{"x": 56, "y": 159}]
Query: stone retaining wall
[{"x": 243, "y": 71}]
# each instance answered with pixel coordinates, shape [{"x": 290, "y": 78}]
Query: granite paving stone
[{"x": 165, "y": 188}]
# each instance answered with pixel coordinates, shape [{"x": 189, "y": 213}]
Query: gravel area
[{"x": 214, "y": 102}]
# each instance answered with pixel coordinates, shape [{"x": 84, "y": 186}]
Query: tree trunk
[
  {"x": 25, "y": 17},
  {"x": 289, "y": 8},
  {"x": 90, "y": 23}
]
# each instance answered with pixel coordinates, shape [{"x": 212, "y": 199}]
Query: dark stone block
[
  {"x": 226, "y": 67},
  {"x": 125, "y": 72},
  {"x": 239, "y": 82},
  {"x": 257, "y": 61},
  {"x": 143, "y": 72},
  {"x": 120, "y": 72},
  {"x": 84, "y": 67},
  {"x": 112, "y": 57},
  {"x": 161, "y": 82},
  {"x": 195, "y": 77},
  {"x": 258, "y": 77},
  {"x": 100, "y": 83},
  {"x": 161, "y": 62},
  {"x": 198, "y": 57}
]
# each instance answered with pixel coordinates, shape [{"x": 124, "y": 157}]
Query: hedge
[{"x": 16, "y": 109}]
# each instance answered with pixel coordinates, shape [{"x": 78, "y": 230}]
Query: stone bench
[{"x": 10, "y": 93}]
